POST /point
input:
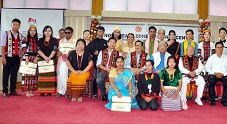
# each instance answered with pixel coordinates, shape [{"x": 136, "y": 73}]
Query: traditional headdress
[
  {"x": 117, "y": 28},
  {"x": 206, "y": 30},
  {"x": 32, "y": 23}
]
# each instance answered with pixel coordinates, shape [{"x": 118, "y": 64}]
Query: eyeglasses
[{"x": 67, "y": 32}]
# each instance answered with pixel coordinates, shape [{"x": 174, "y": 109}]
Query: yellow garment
[
  {"x": 76, "y": 84},
  {"x": 113, "y": 73},
  {"x": 119, "y": 45},
  {"x": 186, "y": 45},
  {"x": 126, "y": 49}
]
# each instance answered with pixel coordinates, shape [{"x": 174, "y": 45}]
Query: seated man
[
  {"x": 216, "y": 66},
  {"x": 138, "y": 58},
  {"x": 190, "y": 67},
  {"x": 106, "y": 62},
  {"x": 160, "y": 58}
]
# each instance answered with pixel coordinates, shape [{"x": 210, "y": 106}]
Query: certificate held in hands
[
  {"x": 30, "y": 68},
  {"x": 46, "y": 67},
  {"x": 121, "y": 104}
]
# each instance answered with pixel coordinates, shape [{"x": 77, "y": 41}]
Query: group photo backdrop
[
  {"x": 54, "y": 18},
  {"x": 140, "y": 31}
]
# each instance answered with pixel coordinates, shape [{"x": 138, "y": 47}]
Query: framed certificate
[
  {"x": 27, "y": 70},
  {"x": 46, "y": 69},
  {"x": 121, "y": 104},
  {"x": 44, "y": 63},
  {"x": 30, "y": 65}
]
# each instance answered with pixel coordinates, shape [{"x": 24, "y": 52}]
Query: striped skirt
[
  {"x": 47, "y": 82},
  {"x": 169, "y": 104},
  {"x": 76, "y": 84},
  {"x": 29, "y": 82}
]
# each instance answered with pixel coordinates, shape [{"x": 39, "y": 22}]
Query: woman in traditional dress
[
  {"x": 79, "y": 63},
  {"x": 121, "y": 83},
  {"x": 128, "y": 49},
  {"x": 29, "y": 47},
  {"x": 171, "y": 82},
  {"x": 117, "y": 35},
  {"x": 149, "y": 87},
  {"x": 47, "y": 48},
  {"x": 173, "y": 47}
]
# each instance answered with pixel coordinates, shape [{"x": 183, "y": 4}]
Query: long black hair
[
  {"x": 172, "y": 31},
  {"x": 171, "y": 57},
  {"x": 29, "y": 36},
  {"x": 119, "y": 57},
  {"x": 45, "y": 28}
]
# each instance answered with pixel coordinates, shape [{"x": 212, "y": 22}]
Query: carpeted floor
[{"x": 51, "y": 110}]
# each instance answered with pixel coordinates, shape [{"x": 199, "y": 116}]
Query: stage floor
[{"x": 49, "y": 110}]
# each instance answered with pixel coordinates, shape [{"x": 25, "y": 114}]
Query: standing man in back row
[{"x": 97, "y": 45}]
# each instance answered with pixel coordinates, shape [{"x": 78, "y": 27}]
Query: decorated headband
[
  {"x": 207, "y": 30},
  {"x": 32, "y": 23}
]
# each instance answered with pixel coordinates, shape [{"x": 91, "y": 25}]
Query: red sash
[
  {"x": 195, "y": 63},
  {"x": 142, "y": 60},
  {"x": 105, "y": 58}
]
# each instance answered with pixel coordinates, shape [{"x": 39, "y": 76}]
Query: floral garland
[
  {"x": 149, "y": 79},
  {"x": 93, "y": 28}
]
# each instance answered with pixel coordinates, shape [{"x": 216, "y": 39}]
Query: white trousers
[
  {"x": 200, "y": 83},
  {"x": 62, "y": 76}
]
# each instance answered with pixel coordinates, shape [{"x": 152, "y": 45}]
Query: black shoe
[
  {"x": 42, "y": 94},
  {"x": 14, "y": 94},
  {"x": 58, "y": 95},
  {"x": 67, "y": 96},
  {"x": 212, "y": 103},
  {"x": 224, "y": 103},
  {"x": 104, "y": 98},
  {"x": 48, "y": 94},
  {"x": 5, "y": 95}
]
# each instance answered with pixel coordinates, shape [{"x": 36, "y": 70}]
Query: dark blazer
[{"x": 143, "y": 86}]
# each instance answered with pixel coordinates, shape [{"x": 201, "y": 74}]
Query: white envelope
[
  {"x": 43, "y": 63},
  {"x": 30, "y": 65},
  {"x": 46, "y": 69},
  {"x": 27, "y": 70},
  {"x": 121, "y": 104}
]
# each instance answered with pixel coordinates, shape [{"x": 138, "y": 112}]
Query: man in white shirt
[
  {"x": 216, "y": 66},
  {"x": 160, "y": 58},
  {"x": 190, "y": 67},
  {"x": 105, "y": 63}
]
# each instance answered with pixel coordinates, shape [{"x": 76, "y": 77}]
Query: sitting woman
[
  {"x": 171, "y": 82},
  {"x": 149, "y": 87},
  {"x": 121, "y": 83},
  {"x": 79, "y": 63}
]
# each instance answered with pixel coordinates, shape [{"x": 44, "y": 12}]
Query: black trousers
[
  {"x": 11, "y": 68},
  {"x": 153, "y": 104},
  {"x": 212, "y": 83}
]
